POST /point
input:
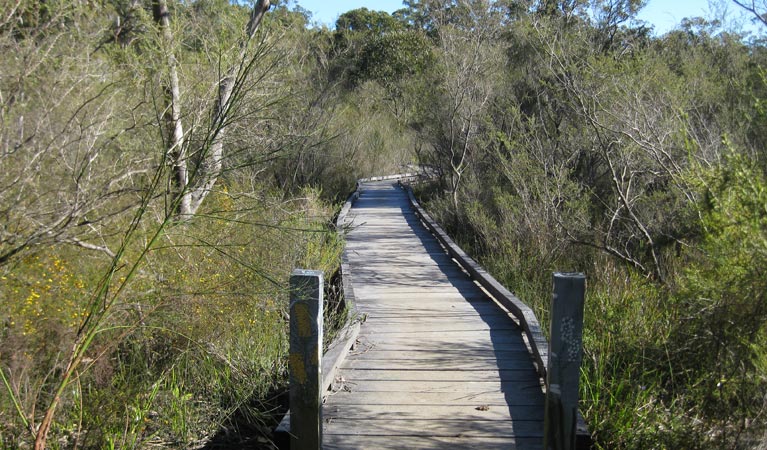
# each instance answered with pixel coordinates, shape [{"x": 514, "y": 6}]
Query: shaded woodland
[{"x": 164, "y": 164}]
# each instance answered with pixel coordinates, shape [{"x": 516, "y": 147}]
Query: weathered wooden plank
[
  {"x": 405, "y": 267},
  {"x": 466, "y": 318},
  {"x": 408, "y": 315},
  {"x": 350, "y": 442},
  {"x": 375, "y": 287},
  {"x": 369, "y": 344},
  {"x": 373, "y": 343},
  {"x": 409, "y": 259},
  {"x": 392, "y": 238},
  {"x": 382, "y": 303},
  {"x": 373, "y": 306},
  {"x": 436, "y": 399},
  {"x": 445, "y": 364},
  {"x": 420, "y": 354},
  {"x": 401, "y": 294},
  {"x": 426, "y": 375},
  {"x": 475, "y": 326},
  {"x": 368, "y": 243},
  {"x": 455, "y": 412},
  {"x": 465, "y": 337},
  {"x": 432, "y": 386},
  {"x": 430, "y": 308},
  {"x": 410, "y": 276},
  {"x": 392, "y": 252},
  {"x": 379, "y": 324},
  {"x": 412, "y": 311},
  {"x": 447, "y": 428}
]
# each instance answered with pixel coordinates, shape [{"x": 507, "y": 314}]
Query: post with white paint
[
  {"x": 306, "y": 287},
  {"x": 565, "y": 354}
]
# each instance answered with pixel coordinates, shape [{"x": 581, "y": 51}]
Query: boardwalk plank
[
  {"x": 432, "y": 386},
  {"x": 435, "y": 428},
  {"x": 435, "y": 399},
  {"x": 430, "y": 355},
  {"x": 440, "y": 375},
  {"x": 349, "y": 442},
  {"x": 455, "y": 412}
]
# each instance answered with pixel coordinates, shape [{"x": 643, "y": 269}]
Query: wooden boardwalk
[{"x": 438, "y": 363}]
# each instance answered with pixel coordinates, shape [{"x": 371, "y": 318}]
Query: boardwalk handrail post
[
  {"x": 306, "y": 289},
  {"x": 564, "y": 361}
]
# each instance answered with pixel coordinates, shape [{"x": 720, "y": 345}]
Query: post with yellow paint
[
  {"x": 306, "y": 287},
  {"x": 564, "y": 361}
]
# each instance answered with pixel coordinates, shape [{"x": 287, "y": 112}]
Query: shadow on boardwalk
[{"x": 441, "y": 365}]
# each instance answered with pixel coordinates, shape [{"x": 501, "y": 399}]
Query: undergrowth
[{"x": 195, "y": 345}]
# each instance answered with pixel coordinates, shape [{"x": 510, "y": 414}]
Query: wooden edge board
[
  {"x": 537, "y": 342},
  {"x": 521, "y": 311}
]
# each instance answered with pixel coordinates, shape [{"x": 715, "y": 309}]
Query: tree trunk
[
  {"x": 190, "y": 193},
  {"x": 175, "y": 144}
]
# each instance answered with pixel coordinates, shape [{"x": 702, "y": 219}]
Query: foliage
[
  {"x": 198, "y": 341},
  {"x": 391, "y": 57},
  {"x": 635, "y": 159},
  {"x": 363, "y": 20},
  {"x": 565, "y": 137},
  {"x": 122, "y": 328},
  {"x": 722, "y": 296}
]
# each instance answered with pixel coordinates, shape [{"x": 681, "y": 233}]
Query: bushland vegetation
[
  {"x": 165, "y": 164},
  {"x": 163, "y": 167},
  {"x": 570, "y": 138}
]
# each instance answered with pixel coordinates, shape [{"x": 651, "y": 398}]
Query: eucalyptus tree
[{"x": 196, "y": 170}]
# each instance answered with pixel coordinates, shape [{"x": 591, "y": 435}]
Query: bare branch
[
  {"x": 758, "y": 11},
  {"x": 86, "y": 245}
]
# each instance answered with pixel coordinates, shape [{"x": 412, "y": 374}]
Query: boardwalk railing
[
  {"x": 536, "y": 340},
  {"x": 575, "y": 434}
]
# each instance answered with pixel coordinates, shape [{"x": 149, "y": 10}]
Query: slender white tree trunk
[
  {"x": 175, "y": 144},
  {"x": 212, "y": 163},
  {"x": 190, "y": 193}
]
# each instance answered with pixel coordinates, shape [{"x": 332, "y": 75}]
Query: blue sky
[{"x": 663, "y": 14}]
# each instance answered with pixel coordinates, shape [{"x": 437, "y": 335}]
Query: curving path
[{"x": 438, "y": 364}]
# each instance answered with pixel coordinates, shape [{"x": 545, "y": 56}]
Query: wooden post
[
  {"x": 306, "y": 287},
  {"x": 564, "y": 362}
]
